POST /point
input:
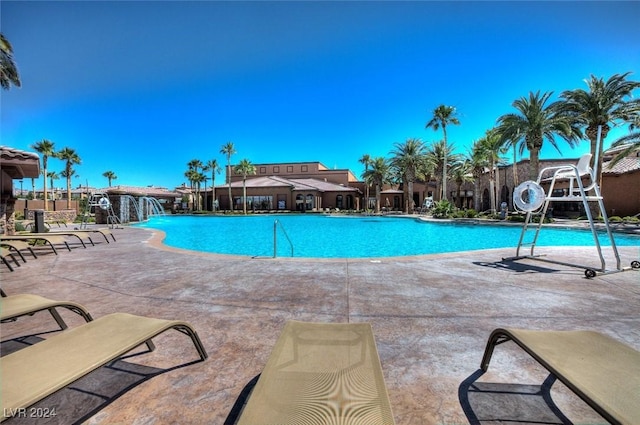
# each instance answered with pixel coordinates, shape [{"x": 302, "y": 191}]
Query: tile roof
[
  {"x": 625, "y": 165},
  {"x": 293, "y": 184},
  {"x": 141, "y": 191},
  {"x": 19, "y": 164}
]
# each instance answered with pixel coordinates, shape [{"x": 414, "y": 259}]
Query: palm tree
[
  {"x": 437, "y": 154},
  {"x": 461, "y": 172},
  {"x": 110, "y": 175},
  {"x": 378, "y": 174},
  {"x": 195, "y": 165},
  {"x": 245, "y": 167},
  {"x": 442, "y": 116},
  {"x": 603, "y": 106},
  {"x": 631, "y": 141},
  {"x": 406, "y": 159},
  {"x": 488, "y": 150},
  {"x": 52, "y": 175},
  {"x": 46, "y": 149},
  {"x": 366, "y": 161},
  {"x": 8, "y": 69},
  {"x": 534, "y": 122},
  {"x": 71, "y": 158},
  {"x": 518, "y": 145},
  {"x": 477, "y": 162},
  {"x": 212, "y": 165},
  {"x": 192, "y": 176},
  {"x": 228, "y": 149}
]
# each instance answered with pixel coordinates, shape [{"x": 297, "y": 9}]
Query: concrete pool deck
[{"x": 431, "y": 317}]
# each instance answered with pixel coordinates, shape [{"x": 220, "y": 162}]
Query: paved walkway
[{"x": 431, "y": 317}]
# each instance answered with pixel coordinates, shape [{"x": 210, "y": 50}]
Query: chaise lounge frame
[
  {"x": 600, "y": 370},
  {"x": 18, "y": 305},
  {"x": 33, "y": 373}
]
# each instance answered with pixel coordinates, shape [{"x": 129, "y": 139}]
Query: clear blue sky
[{"x": 142, "y": 88}]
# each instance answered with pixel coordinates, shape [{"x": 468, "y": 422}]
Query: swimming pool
[{"x": 335, "y": 236}]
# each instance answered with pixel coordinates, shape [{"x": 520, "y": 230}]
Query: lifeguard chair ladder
[
  {"x": 531, "y": 198},
  {"x": 99, "y": 200}
]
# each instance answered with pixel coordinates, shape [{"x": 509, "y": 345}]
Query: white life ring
[
  {"x": 104, "y": 203},
  {"x": 528, "y": 196}
]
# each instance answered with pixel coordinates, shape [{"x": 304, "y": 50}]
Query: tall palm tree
[
  {"x": 228, "y": 149},
  {"x": 406, "y": 159},
  {"x": 489, "y": 149},
  {"x": 604, "y": 105},
  {"x": 196, "y": 165},
  {"x": 52, "y": 175},
  {"x": 8, "y": 69},
  {"x": 71, "y": 158},
  {"x": 437, "y": 155},
  {"x": 478, "y": 164},
  {"x": 245, "y": 167},
  {"x": 461, "y": 172},
  {"x": 199, "y": 178},
  {"x": 213, "y": 166},
  {"x": 534, "y": 122},
  {"x": 378, "y": 174},
  {"x": 366, "y": 161},
  {"x": 442, "y": 116},
  {"x": 46, "y": 149},
  {"x": 110, "y": 175},
  {"x": 192, "y": 175}
]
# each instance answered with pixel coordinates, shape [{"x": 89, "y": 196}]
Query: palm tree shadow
[
  {"x": 82, "y": 399},
  {"x": 488, "y": 403}
]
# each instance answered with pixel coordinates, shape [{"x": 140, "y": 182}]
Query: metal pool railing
[{"x": 275, "y": 238}]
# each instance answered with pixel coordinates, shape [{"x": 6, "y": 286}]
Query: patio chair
[
  {"x": 601, "y": 371},
  {"x": 326, "y": 371},
  {"x": 35, "y": 372},
  {"x": 7, "y": 256},
  {"x": 15, "y": 306},
  {"x": 48, "y": 239},
  {"x": 18, "y": 247}
]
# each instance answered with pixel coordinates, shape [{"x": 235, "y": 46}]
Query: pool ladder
[{"x": 275, "y": 238}]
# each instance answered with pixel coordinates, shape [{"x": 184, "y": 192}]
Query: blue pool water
[{"x": 320, "y": 236}]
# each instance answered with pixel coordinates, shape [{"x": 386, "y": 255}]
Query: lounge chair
[
  {"x": 15, "y": 306},
  {"x": 603, "y": 372},
  {"x": 33, "y": 373},
  {"x": 7, "y": 256},
  {"x": 18, "y": 247},
  {"x": 48, "y": 239},
  {"x": 87, "y": 232},
  {"x": 328, "y": 372}
]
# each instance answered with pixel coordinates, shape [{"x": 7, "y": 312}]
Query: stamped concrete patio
[{"x": 431, "y": 317}]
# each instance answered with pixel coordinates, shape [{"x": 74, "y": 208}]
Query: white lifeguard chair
[
  {"x": 99, "y": 200},
  {"x": 531, "y": 198}
]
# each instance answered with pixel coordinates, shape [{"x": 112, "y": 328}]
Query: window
[
  {"x": 276, "y": 169},
  {"x": 305, "y": 168},
  {"x": 263, "y": 170},
  {"x": 289, "y": 168},
  {"x": 339, "y": 202},
  {"x": 255, "y": 203}
]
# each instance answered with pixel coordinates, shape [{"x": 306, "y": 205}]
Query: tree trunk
[
  {"x": 244, "y": 197},
  {"x": 534, "y": 161}
]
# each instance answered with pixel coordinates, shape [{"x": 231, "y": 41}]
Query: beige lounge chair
[
  {"x": 33, "y": 373},
  {"x": 326, "y": 371},
  {"x": 7, "y": 256},
  {"x": 15, "y": 306},
  {"x": 603, "y": 372},
  {"x": 18, "y": 247},
  {"x": 87, "y": 233},
  {"x": 48, "y": 239}
]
